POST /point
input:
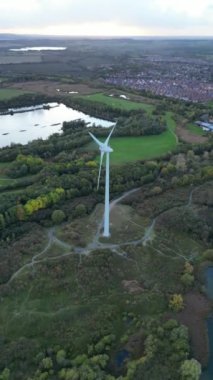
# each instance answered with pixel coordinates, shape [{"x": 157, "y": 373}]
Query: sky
[{"x": 108, "y": 17}]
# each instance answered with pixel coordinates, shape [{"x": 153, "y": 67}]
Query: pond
[
  {"x": 208, "y": 373},
  {"x": 22, "y": 127},
  {"x": 121, "y": 358}
]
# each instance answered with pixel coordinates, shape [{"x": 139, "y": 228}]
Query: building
[{"x": 205, "y": 126}]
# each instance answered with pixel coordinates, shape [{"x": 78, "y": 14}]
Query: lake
[{"x": 40, "y": 123}]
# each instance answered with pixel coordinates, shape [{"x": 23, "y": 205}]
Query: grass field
[
  {"x": 9, "y": 93},
  {"x": 130, "y": 149},
  {"x": 120, "y": 103},
  {"x": 195, "y": 129}
]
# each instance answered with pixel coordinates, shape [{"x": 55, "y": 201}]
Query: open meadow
[
  {"x": 130, "y": 149},
  {"x": 116, "y": 102}
]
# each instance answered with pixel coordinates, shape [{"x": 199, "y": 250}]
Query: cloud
[{"x": 140, "y": 14}]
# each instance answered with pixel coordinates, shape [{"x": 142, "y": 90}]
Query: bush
[
  {"x": 208, "y": 255},
  {"x": 190, "y": 370},
  {"x": 156, "y": 190},
  {"x": 188, "y": 268},
  {"x": 80, "y": 210},
  {"x": 187, "y": 280},
  {"x": 58, "y": 216},
  {"x": 176, "y": 302}
]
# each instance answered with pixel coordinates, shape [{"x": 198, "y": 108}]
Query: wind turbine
[{"x": 105, "y": 148}]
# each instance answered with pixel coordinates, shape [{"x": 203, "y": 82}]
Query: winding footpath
[{"x": 96, "y": 244}]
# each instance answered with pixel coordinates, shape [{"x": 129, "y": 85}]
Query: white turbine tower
[{"x": 105, "y": 148}]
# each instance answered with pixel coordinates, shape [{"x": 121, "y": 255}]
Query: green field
[
  {"x": 195, "y": 129},
  {"x": 130, "y": 149},
  {"x": 120, "y": 103},
  {"x": 9, "y": 93}
]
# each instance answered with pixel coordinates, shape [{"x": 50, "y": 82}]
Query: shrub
[
  {"x": 80, "y": 210},
  {"x": 190, "y": 370},
  {"x": 58, "y": 216},
  {"x": 188, "y": 268},
  {"x": 208, "y": 255},
  {"x": 187, "y": 280},
  {"x": 156, "y": 190},
  {"x": 176, "y": 302}
]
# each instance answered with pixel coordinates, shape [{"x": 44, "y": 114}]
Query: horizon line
[{"x": 108, "y": 36}]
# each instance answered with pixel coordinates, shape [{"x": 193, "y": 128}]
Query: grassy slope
[
  {"x": 129, "y": 149},
  {"x": 9, "y": 93},
  {"x": 120, "y": 103}
]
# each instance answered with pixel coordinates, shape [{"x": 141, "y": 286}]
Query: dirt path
[{"x": 96, "y": 244}]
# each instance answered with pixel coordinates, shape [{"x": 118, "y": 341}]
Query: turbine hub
[{"x": 106, "y": 149}]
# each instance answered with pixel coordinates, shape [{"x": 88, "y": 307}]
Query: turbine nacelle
[{"x": 106, "y": 149}]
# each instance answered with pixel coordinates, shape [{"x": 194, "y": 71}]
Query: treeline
[
  {"x": 187, "y": 110},
  {"x": 25, "y": 100},
  {"x": 136, "y": 125},
  {"x": 97, "y": 109}
]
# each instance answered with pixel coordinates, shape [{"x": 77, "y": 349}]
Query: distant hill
[{"x": 14, "y": 37}]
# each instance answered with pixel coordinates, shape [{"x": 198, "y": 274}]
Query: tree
[
  {"x": 2, "y": 221},
  {"x": 60, "y": 357},
  {"x": 187, "y": 280},
  {"x": 47, "y": 363},
  {"x": 188, "y": 268},
  {"x": 190, "y": 370},
  {"x": 80, "y": 210},
  {"x": 58, "y": 216},
  {"x": 208, "y": 255},
  {"x": 5, "y": 375},
  {"x": 176, "y": 302}
]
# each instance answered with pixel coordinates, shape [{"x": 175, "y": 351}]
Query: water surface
[
  {"x": 121, "y": 357},
  {"x": 40, "y": 123}
]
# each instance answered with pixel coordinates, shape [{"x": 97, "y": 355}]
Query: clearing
[{"x": 50, "y": 87}]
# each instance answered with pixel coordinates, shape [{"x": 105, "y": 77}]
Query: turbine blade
[
  {"x": 100, "y": 144},
  {"x": 99, "y": 174},
  {"x": 107, "y": 140}
]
